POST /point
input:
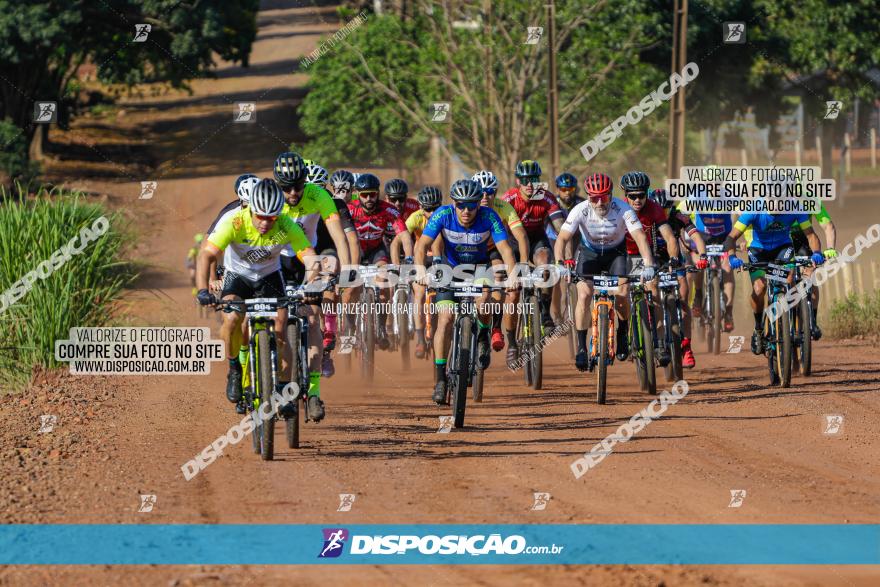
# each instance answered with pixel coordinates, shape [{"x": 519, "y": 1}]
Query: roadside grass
[
  {"x": 857, "y": 315},
  {"x": 82, "y": 292}
]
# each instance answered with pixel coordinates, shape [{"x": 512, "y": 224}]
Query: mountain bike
[
  {"x": 401, "y": 318},
  {"x": 569, "y": 303},
  {"x": 463, "y": 365},
  {"x": 602, "y": 333},
  {"x": 262, "y": 365},
  {"x": 672, "y": 318},
  {"x": 529, "y": 330},
  {"x": 298, "y": 349},
  {"x": 714, "y": 301},
  {"x": 642, "y": 334}
]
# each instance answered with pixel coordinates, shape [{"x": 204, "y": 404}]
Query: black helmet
[
  {"x": 396, "y": 188},
  {"x": 659, "y": 196},
  {"x": 566, "y": 180},
  {"x": 430, "y": 196},
  {"x": 635, "y": 181},
  {"x": 342, "y": 178},
  {"x": 528, "y": 168},
  {"x": 366, "y": 182},
  {"x": 466, "y": 190},
  {"x": 289, "y": 168}
]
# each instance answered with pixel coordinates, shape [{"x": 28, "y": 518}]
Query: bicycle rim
[
  {"x": 267, "y": 426},
  {"x": 535, "y": 339},
  {"x": 603, "y": 354},
  {"x": 806, "y": 327},
  {"x": 647, "y": 349},
  {"x": 461, "y": 372}
]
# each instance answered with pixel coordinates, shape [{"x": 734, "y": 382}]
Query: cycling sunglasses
[
  {"x": 467, "y": 205},
  {"x": 368, "y": 194},
  {"x": 397, "y": 199},
  {"x": 600, "y": 198},
  {"x": 490, "y": 191},
  {"x": 530, "y": 179},
  {"x": 431, "y": 209},
  {"x": 636, "y": 195},
  {"x": 266, "y": 218}
]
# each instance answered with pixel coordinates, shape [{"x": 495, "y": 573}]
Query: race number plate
[
  {"x": 714, "y": 250},
  {"x": 262, "y": 307},
  {"x": 606, "y": 283},
  {"x": 467, "y": 290},
  {"x": 668, "y": 280},
  {"x": 776, "y": 273}
]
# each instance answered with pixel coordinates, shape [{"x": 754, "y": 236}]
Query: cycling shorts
[
  {"x": 536, "y": 243},
  {"x": 376, "y": 256},
  {"x": 800, "y": 243},
  {"x": 781, "y": 254},
  {"x": 591, "y": 262},
  {"x": 270, "y": 286}
]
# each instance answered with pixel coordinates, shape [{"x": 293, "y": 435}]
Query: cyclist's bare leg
[
  {"x": 542, "y": 257},
  {"x": 683, "y": 292},
  {"x": 728, "y": 285},
  {"x": 230, "y": 330}
]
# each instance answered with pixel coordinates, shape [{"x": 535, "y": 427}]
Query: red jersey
[
  {"x": 384, "y": 221},
  {"x": 651, "y": 216},
  {"x": 410, "y": 205},
  {"x": 534, "y": 212}
]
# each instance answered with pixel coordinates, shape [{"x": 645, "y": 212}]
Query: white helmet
[
  {"x": 316, "y": 174},
  {"x": 245, "y": 188},
  {"x": 267, "y": 199},
  {"x": 486, "y": 179}
]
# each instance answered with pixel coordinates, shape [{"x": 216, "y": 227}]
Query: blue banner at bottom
[{"x": 640, "y": 544}]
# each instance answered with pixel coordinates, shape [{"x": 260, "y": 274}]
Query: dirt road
[{"x": 120, "y": 437}]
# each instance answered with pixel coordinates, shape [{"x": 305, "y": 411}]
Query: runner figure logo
[
  {"x": 346, "y": 500},
  {"x": 833, "y": 424},
  {"x": 47, "y": 423},
  {"x": 245, "y": 112},
  {"x": 141, "y": 32},
  {"x": 45, "y": 112},
  {"x": 541, "y": 501},
  {"x": 445, "y": 425},
  {"x": 737, "y": 496},
  {"x": 148, "y": 188},
  {"x": 734, "y": 32},
  {"x": 832, "y": 109},
  {"x": 147, "y": 503},
  {"x": 334, "y": 540},
  {"x": 534, "y": 35},
  {"x": 736, "y": 344},
  {"x": 439, "y": 111},
  {"x": 346, "y": 344}
]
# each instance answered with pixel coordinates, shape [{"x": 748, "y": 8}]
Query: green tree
[
  {"x": 371, "y": 96},
  {"x": 44, "y": 43}
]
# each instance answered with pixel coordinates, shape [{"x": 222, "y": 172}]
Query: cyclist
[
  {"x": 396, "y": 191},
  {"x": 341, "y": 184},
  {"x": 374, "y": 220},
  {"x": 489, "y": 186},
  {"x": 771, "y": 242},
  {"x": 567, "y": 196},
  {"x": 535, "y": 206},
  {"x": 307, "y": 204},
  {"x": 465, "y": 228},
  {"x": 680, "y": 223},
  {"x": 655, "y": 224},
  {"x": 326, "y": 249},
  {"x": 254, "y": 238},
  {"x": 801, "y": 247},
  {"x": 429, "y": 198},
  {"x": 714, "y": 228},
  {"x": 603, "y": 223}
]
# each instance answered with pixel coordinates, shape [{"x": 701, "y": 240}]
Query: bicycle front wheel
[
  {"x": 674, "y": 369},
  {"x": 461, "y": 371},
  {"x": 535, "y": 343},
  {"x": 400, "y": 301},
  {"x": 570, "y": 305},
  {"x": 715, "y": 310},
  {"x": 805, "y": 327},
  {"x": 292, "y": 422},
  {"x": 783, "y": 355},
  {"x": 647, "y": 355},
  {"x": 602, "y": 354},
  {"x": 267, "y": 426},
  {"x": 367, "y": 336}
]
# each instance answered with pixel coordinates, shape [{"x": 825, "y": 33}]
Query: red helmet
[{"x": 598, "y": 184}]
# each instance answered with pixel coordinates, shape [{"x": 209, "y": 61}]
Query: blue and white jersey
[{"x": 466, "y": 245}]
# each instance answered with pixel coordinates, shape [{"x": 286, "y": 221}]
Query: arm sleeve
[
  {"x": 632, "y": 221},
  {"x": 823, "y": 217}
]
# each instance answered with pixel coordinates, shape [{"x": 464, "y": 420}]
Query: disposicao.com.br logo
[{"x": 429, "y": 544}]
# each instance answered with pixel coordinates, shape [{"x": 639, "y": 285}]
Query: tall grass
[
  {"x": 79, "y": 293},
  {"x": 856, "y": 315}
]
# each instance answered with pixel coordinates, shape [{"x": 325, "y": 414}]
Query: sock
[
  {"x": 511, "y": 338},
  {"x": 243, "y": 353},
  {"x": 440, "y": 369},
  {"x": 234, "y": 362},
  {"x": 420, "y": 335},
  {"x": 330, "y": 323},
  {"x": 582, "y": 340},
  {"x": 815, "y": 311},
  {"x": 314, "y": 383},
  {"x": 496, "y": 321},
  {"x": 382, "y": 318},
  {"x": 758, "y": 321}
]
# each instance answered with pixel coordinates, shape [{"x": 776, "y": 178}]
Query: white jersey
[{"x": 602, "y": 232}]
